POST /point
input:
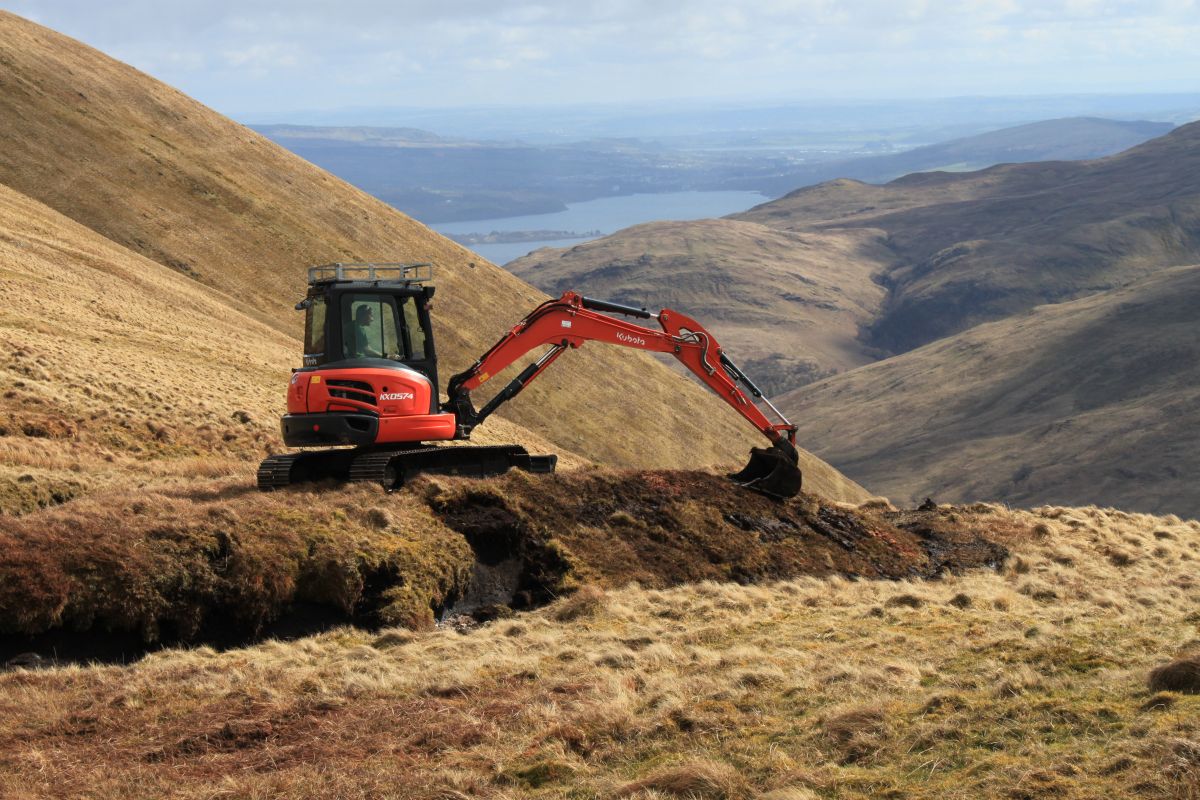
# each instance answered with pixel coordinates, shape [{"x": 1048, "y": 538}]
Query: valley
[{"x": 911, "y": 273}]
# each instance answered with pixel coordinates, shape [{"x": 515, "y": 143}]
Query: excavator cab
[
  {"x": 367, "y": 394},
  {"x": 371, "y": 312}
]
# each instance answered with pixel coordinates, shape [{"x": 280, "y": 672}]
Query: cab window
[
  {"x": 370, "y": 326},
  {"x": 414, "y": 333},
  {"x": 314, "y": 331}
]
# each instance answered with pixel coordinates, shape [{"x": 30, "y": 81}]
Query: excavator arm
[{"x": 572, "y": 319}]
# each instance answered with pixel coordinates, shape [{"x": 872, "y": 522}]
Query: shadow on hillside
[{"x": 61, "y": 647}]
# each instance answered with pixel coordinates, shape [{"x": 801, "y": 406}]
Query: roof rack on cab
[{"x": 371, "y": 272}]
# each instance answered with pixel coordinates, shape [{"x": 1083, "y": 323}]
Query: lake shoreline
[{"x": 609, "y": 214}]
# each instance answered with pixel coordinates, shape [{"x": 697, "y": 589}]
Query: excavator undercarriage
[
  {"x": 367, "y": 394},
  {"x": 390, "y": 467}
]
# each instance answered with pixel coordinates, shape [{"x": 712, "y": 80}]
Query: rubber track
[
  {"x": 276, "y": 471},
  {"x": 374, "y": 466}
]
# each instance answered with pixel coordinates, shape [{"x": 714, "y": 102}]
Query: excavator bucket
[{"x": 772, "y": 471}]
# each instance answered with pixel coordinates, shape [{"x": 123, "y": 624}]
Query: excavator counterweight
[{"x": 368, "y": 391}]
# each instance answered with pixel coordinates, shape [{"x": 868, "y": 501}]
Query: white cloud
[
  {"x": 304, "y": 53},
  {"x": 263, "y": 58}
]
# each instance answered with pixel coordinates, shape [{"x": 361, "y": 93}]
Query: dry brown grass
[
  {"x": 139, "y": 380},
  {"x": 699, "y": 780},
  {"x": 584, "y": 602},
  {"x": 1034, "y": 698}
]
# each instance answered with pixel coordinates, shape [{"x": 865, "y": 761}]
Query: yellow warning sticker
[
  {"x": 316, "y": 378},
  {"x": 483, "y": 376}
]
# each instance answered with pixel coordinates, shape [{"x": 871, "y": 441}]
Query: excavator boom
[{"x": 573, "y": 319}]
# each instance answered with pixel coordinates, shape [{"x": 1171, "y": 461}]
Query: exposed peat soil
[
  {"x": 109, "y": 578},
  {"x": 662, "y": 528}
]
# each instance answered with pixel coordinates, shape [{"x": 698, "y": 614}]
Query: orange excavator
[{"x": 367, "y": 395}]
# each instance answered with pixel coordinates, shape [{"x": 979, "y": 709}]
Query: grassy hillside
[
  {"x": 1070, "y": 403},
  {"x": 981, "y": 246},
  {"x": 946, "y": 251},
  {"x": 1026, "y": 682},
  {"x": 786, "y": 306},
  {"x": 116, "y": 368},
  {"x": 173, "y": 182}
]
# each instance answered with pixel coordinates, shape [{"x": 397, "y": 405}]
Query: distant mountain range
[
  {"x": 980, "y": 246},
  {"x": 437, "y": 179},
  {"x": 816, "y": 328},
  {"x": 1069, "y": 139}
]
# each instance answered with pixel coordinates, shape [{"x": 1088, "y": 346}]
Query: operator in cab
[{"x": 364, "y": 316}]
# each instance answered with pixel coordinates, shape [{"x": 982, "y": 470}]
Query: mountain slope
[
  {"x": 981, "y": 246},
  {"x": 1092, "y": 401},
  {"x": 115, "y": 365},
  {"x": 948, "y": 250},
  {"x": 171, "y": 180}
]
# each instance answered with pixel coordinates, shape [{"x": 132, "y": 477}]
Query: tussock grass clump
[
  {"x": 856, "y": 733},
  {"x": 788, "y": 793},
  {"x": 962, "y": 600},
  {"x": 1160, "y": 701},
  {"x": 701, "y": 779},
  {"x": 584, "y": 602},
  {"x": 1181, "y": 675},
  {"x": 905, "y": 600}
]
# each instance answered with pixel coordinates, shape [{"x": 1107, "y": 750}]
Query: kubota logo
[
  {"x": 396, "y": 396},
  {"x": 627, "y": 339}
]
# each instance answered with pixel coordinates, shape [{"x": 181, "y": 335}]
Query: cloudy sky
[{"x": 255, "y": 56}]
